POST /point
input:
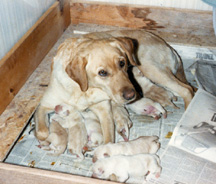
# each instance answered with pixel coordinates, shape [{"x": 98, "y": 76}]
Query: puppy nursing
[
  {"x": 95, "y": 136},
  {"x": 57, "y": 139},
  {"x": 77, "y": 140}
]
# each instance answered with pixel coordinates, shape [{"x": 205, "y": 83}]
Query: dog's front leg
[
  {"x": 122, "y": 120},
  {"x": 103, "y": 111},
  {"x": 41, "y": 123}
]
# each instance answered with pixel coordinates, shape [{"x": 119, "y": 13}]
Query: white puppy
[
  {"x": 143, "y": 144},
  {"x": 148, "y": 107},
  {"x": 57, "y": 139},
  {"x": 93, "y": 127},
  {"x": 121, "y": 167},
  {"x": 64, "y": 114}
]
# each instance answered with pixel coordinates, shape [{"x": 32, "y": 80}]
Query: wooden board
[
  {"x": 13, "y": 174},
  {"x": 18, "y": 64},
  {"x": 176, "y": 25}
]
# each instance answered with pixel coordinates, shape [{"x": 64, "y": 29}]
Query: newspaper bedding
[{"x": 175, "y": 162}]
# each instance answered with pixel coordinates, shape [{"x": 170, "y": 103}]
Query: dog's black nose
[{"x": 129, "y": 93}]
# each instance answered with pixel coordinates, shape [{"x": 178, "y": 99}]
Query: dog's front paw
[{"x": 42, "y": 134}]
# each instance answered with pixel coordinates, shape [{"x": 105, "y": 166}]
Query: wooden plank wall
[
  {"x": 21, "y": 61},
  {"x": 18, "y": 64},
  {"x": 176, "y": 25},
  {"x": 13, "y": 174}
]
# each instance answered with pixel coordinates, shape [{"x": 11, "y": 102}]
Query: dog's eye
[
  {"x": 122, "y": 63},
  {"x": 103, "y": 73}
]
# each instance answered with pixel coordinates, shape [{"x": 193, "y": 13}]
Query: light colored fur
[
  {"x": 77, "y": 137},
  {"x": 122, "y": 120},
  {"x": 87, "y": 72},
  {"x": 120, "y": 167},
  {"x": 151, "y": 91},
  {"x": 146, "y": 106},
  {"x": 157, "y": 60},
  {"x": 75, "y": 80},
  {"x": 57, "y": 139},
  {"x": 72, "y": 121},
  {"x": 143, "y": 144},
  {"x": 93, "y": 127}
]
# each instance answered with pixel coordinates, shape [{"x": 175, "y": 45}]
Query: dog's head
[{"x": 103, "y": 64}]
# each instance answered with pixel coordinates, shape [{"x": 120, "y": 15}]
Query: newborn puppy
[
  {"x": 73, "y": 122},
  {"x": 148, "y": 107},
  {"x": 93, "y": 127},
  {"x": 152, "y": 91},
  {"x": 121, "y": 167},
  {"x": 77, "y": 137},
  {"x": 143, "y": 144},
  {"x": 64, "y": 114},
  {"x": 57, "y": 139}
]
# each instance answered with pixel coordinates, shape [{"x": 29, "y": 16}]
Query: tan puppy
[
  {"x": 143, "y": 144},
  {"x": 77, "y": 140},
  {"x": 93, "y": 127},
  {"x": 77, "y": 137},
  {"x": 148, "y": 107},
  {"x": 121, "y": 167},
  {"x": 73, "y": 122},
  {"x": 57, "y": 139}
]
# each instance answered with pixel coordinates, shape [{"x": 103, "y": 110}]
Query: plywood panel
[
  {"x": 13, "y": 174},
  {"x": 183, "y": 4},
  {"x": 190, "y": 26},
  {"x": 24, "y": 57},
  {"x": 19, "y": 63}
]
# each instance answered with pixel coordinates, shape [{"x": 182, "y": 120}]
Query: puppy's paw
[{"x": 124, "y": 134}]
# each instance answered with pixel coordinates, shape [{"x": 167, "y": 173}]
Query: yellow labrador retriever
[
  {"x": 88, "y": 73},
  {"x": 91, "y": 72}
]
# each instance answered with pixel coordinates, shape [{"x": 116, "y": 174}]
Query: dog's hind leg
[{"x": 167, "y": 79}]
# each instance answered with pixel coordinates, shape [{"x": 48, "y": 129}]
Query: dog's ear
[
  {"x": 76, "y": 71},
  {"x": 106, "y": 155},
  {"x": 129, "y": 46},
  {"x": 101, "y": 171}
]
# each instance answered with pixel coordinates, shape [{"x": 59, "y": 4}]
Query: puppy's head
[
  {"x": 99, "y": 170},
  {"x": 103, "y": 64},
  {"x": 62, "y": 110}
]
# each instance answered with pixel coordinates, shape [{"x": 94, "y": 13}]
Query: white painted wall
[
  {"x": 16, "y": 17},
  {"x": 185, "y": 4}
]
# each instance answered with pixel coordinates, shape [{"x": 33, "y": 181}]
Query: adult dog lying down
[{"x": 91, "y": 72}]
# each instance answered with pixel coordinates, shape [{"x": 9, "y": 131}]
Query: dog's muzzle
[{"x": 129, "y": 94}]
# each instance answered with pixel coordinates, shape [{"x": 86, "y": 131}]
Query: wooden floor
[{"x": 181, "y": 26}]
